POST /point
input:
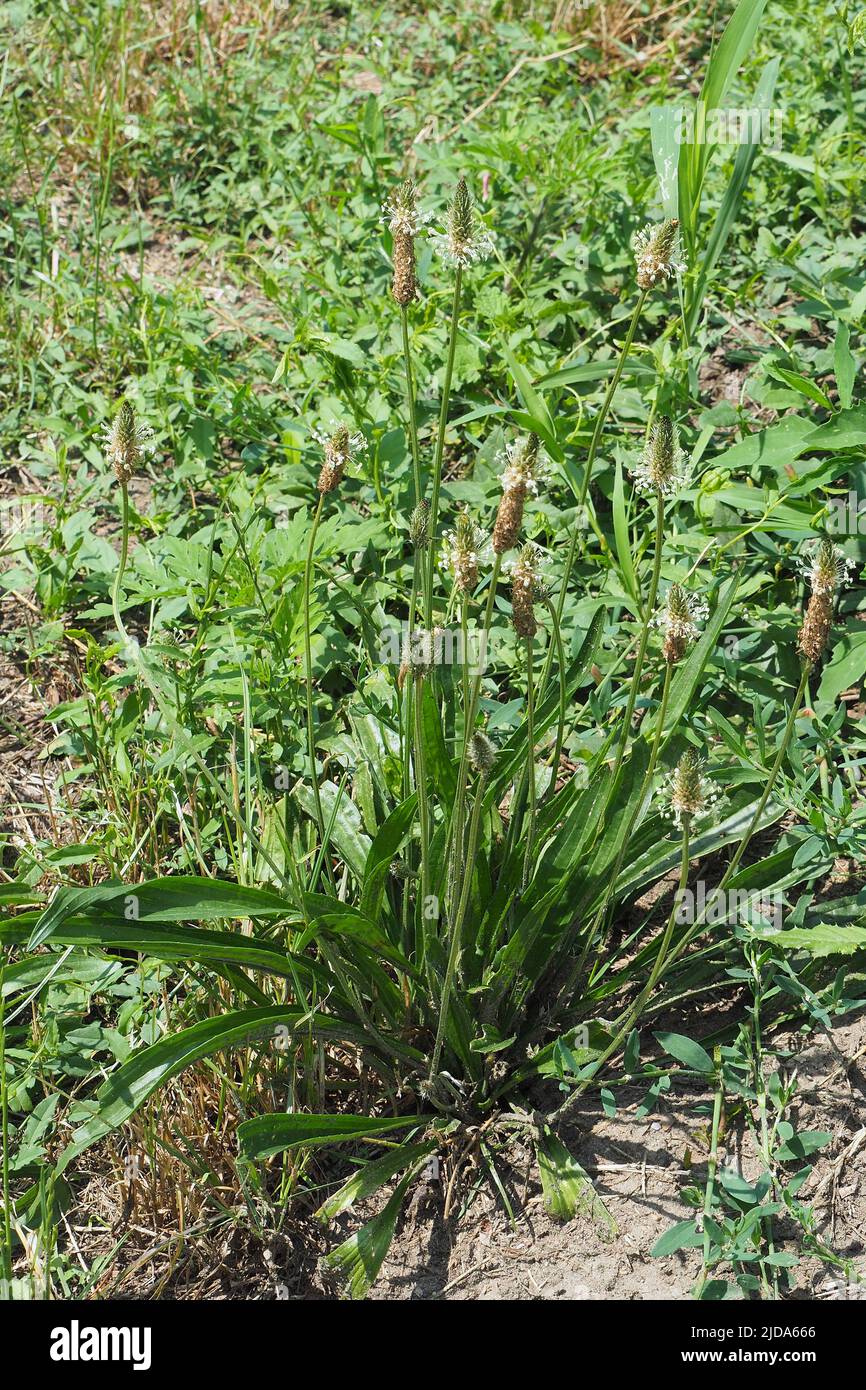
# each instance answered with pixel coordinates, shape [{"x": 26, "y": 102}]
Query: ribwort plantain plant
[{"x": 432, "y": 910}]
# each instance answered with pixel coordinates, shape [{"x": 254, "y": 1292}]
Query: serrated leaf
[{"x": 825, "y": 939}]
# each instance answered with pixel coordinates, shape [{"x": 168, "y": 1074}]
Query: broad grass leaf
[{"x": 266, "y": 1135}]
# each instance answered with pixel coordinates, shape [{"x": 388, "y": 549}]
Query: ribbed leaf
[
  {"x": 567, "y": 1188},
  {"x": 688, "y": 675},
  {"x": 371, "y": 1177},
  {"x": 360, "y": 1258},
  {"x": 383, "y": 851},
  {"x": 145, "y": 1071},
  {"x": 266, "y": 1135},
  {"x": 184, "y": 898}
]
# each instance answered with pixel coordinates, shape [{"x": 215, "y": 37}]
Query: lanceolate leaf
[
  {"x": 172, "y": 943},
  {"x": 266, "y": 1135},
  {"x": 129, "y": 1087},
  {"x": 371, "y": 1177},
  {"x": 567, "y": 1188},
  {"x": 360, "y": 1258},
  {"x": 383, "y": 851},
  {"x": 184, "y": 898}
]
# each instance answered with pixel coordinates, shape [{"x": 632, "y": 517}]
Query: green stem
[
  {"x": 308, "y": 663},
  {"x": 530, "y": 762},
  {"x": 560, "y": 725},
  {"x": 469, "y": 714},
  {"x": 760, "y": 1086},
  {"x": 457, "y": 928},
  {"x": 712, "y": 1163},
  {"x": 440, "y": 444},
  {"x": 4, "y": 1125},
  {"x": 423, "y": 808},
  {"x": 598, "y": 428},
  {"x": 633, "y": 1013},
  {"x": 406, "y": 726},
  {"x": 644, "y": 639},
  {"x": 121, "y": 566},
  {"x": 410, "y": 402}
]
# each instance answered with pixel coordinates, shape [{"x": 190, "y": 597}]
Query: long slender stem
[
  {"x": 712, "y": 1163},
  {"x": 633, "y": 1013},
  {"x": 644, "y": 639},
  {"x": 423, "y": 808},
  {"x": 456, "y": 826},
  {"x": 530, "y": 762},
  {"x": 598, "y": 429},
  {"x": 406, "y": 729},
  {"x": 457, "y": 929},
  {"x": 121, "y": 565},
  {"x": 4, "y": 1137},
  {"x": 308, "y": 661},
  {"x": 410, "y": 403},
  {"x": 560, "y": 723},
  {"x": 760, "y": 1087},
  {"x": 440, "y": 443}
]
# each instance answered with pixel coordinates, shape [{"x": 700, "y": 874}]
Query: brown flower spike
[
  {"x": 827, "y": 569},
  {"x": 404, "y": 221},
  {"x": 523, "y": 592},
  {"x": 127, "y": 441},
  {"x": 656, "y": 250},
  {"x": 519, "y": 478},
  {"x": 464, "y": 547},
  {"x": 340, "y": 448}
]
